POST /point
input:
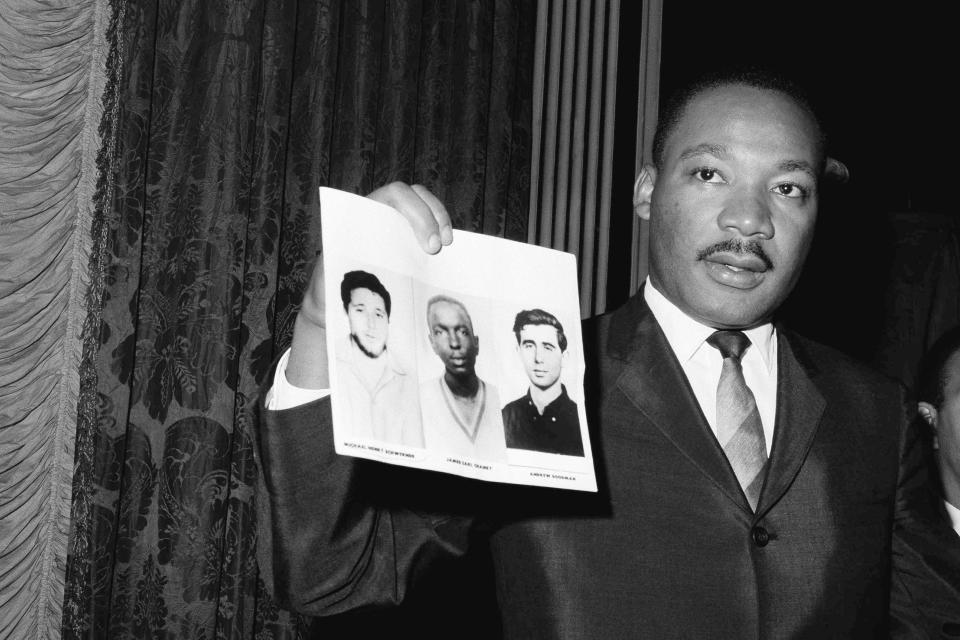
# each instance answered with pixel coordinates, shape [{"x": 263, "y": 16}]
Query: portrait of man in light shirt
[
  {"x": 939, "y": 406},
  {"x": 379, "y": 392},
  {"x": 461, "y": 411}
]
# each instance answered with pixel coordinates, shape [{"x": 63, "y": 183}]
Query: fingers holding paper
[{"x": 426, "y": 214}]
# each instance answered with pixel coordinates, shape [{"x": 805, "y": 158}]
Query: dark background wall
[{"x": 881, "y": 78}]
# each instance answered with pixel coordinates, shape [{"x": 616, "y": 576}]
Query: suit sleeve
[
  {"x": 333, "y": 532},
  {"x": 925, "y": 581}
]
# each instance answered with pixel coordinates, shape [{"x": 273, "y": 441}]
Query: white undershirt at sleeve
[
  {"x": 954, "y": 514},
  {"x": 283, "y": 395}
]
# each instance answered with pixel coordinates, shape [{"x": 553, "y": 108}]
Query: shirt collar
[
  {"x": 686, "y": 335},
  {"x": 555, "y": 401}
]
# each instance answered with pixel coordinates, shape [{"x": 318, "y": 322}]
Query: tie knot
[{"x": 731, "y": 344}]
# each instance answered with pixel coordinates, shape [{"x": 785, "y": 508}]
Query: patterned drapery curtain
[{"x": 227, "y": 117}]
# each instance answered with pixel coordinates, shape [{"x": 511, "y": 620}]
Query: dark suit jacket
[{"x": 846, "y": 541}]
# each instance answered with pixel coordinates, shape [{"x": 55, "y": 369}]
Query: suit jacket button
[{"x": 760, "y": 536}]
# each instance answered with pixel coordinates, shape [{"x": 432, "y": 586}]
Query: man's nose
[
  {"x": 749, "y": 215},
  {"x": 454, "y": 340},
  {"x": 538, "y": 354}
]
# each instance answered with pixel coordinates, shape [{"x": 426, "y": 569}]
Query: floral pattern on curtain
[{"x": 228, "y": 116}]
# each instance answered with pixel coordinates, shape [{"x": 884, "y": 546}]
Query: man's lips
[
  {"x": 738, "y": 274},
  {"x": 737, "y": 262}
]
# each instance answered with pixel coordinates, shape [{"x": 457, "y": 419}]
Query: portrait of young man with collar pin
[{"x": 544, "y": 419}]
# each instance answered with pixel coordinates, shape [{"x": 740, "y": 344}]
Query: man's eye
[
  {"x": 791, "y": 190},
  {"x": 706, "y": 174}
]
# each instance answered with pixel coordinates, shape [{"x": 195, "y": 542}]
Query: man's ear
[
  {"x": 929, "y": 414},
  {"x": 643, "y": 191}
]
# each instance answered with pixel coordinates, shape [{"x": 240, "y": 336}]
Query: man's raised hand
[{"x": 426, "y": 214}]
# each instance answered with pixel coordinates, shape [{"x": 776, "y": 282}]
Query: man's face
[
  {"x": 541, "y": 355},
  {"x": 369, "y": 324},
  {"x": 733, "y": 207},
  {"x": 452, "y": 339},
  {"x": 948, "y": 420}
]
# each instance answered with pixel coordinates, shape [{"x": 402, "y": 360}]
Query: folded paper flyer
[{"x": 468, "y": 362}]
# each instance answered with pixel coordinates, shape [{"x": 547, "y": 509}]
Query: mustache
[{"x": 737, "y": 247}]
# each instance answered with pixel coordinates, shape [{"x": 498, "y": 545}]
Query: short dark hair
[
  {"x": 363, "y": 280},
  {"x": 932, "y": 379},
  {"x": 448, "y": 300},
  {"x": 751, "y": 76},
  {"x": 537, "y": 317}
]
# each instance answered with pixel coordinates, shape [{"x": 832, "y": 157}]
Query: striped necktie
[{"x": 739, "y": 429}]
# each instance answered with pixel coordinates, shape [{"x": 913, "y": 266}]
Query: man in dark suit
[
  {"x": 938, "y": 393},
  {"x": 753, "y": 484}
]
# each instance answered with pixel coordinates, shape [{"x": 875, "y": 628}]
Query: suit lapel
[
  {"x": 654, "y": 382},
  {"x": 800, "y": 407}
]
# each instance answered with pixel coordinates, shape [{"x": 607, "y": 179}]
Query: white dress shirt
[
  {"x": 954, "y": 514},
  {"x": 702, "y": 363}
]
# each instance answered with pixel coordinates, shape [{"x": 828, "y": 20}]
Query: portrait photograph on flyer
[{"x": 468, "y": 362}]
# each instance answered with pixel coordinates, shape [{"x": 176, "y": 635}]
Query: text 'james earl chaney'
[{"x": 464, "y": 463}]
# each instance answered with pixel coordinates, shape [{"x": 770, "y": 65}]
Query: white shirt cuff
[
  {"x": 283, "y": 395},
  {"x": 954, "y": 514}
]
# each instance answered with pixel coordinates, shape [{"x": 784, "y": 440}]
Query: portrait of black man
[
  {"x": 544, "y": 419},
  {"x": 378, "y": 393},
  {"x": 461, "y": 412}
]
